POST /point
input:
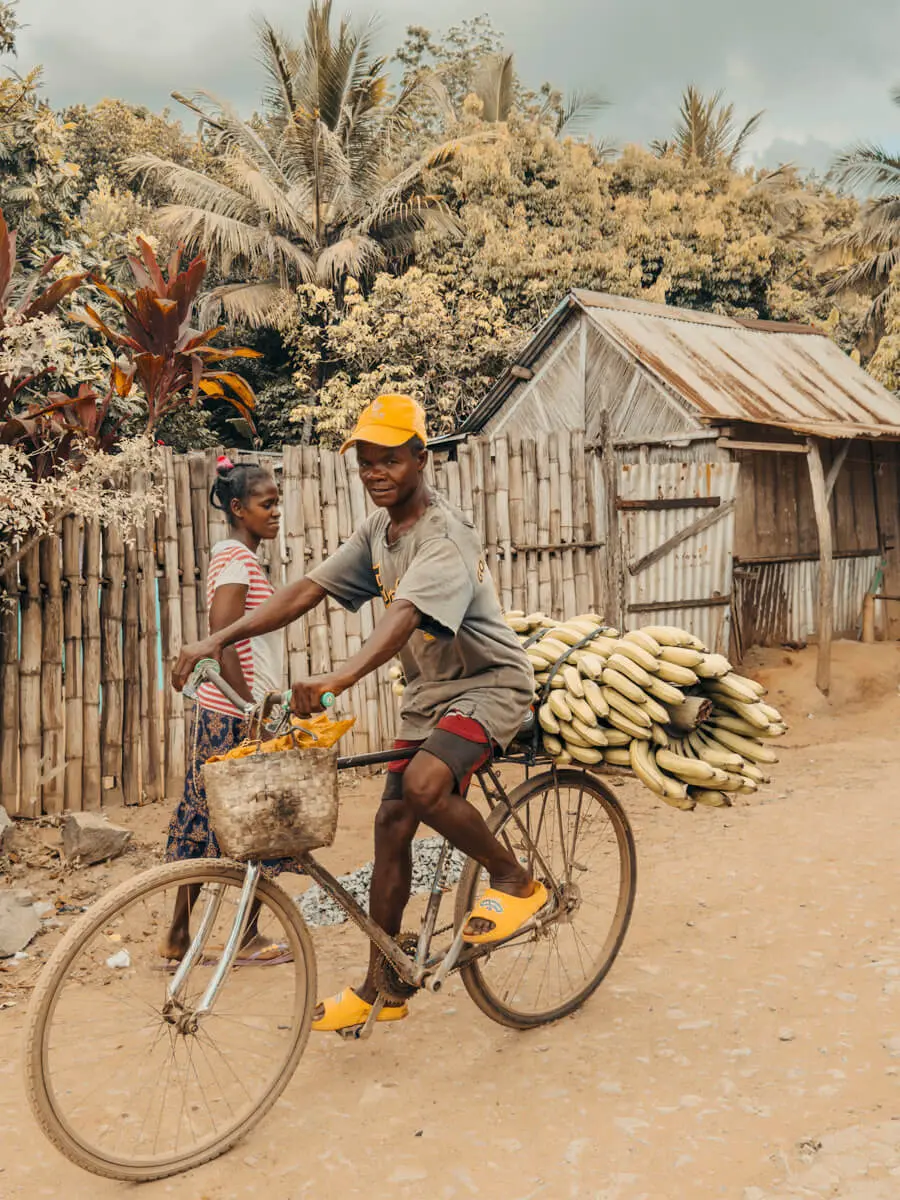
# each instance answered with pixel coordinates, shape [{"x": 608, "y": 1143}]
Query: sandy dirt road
[{"x": 745, "y": 1045}]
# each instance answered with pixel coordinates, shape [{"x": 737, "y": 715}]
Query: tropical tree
[
  {"x": 707, "y": 131},
  {"x": 317, "y": 190},
  {"x": 868, "y": 254}
]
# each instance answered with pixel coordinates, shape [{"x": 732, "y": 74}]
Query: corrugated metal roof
[{"x": 765, "y": 372}]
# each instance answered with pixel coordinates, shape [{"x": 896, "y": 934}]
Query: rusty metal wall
[
  {"x": 700, "y": 568},
  {"x": 777, "y": 601}
]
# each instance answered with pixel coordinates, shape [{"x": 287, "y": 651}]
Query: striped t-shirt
[{"x": 261, "y": 658}]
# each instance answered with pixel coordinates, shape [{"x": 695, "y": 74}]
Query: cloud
[{"x": 823, "y": 78}]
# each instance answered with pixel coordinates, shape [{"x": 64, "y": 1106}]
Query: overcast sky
[{"x": 821, "y": 69}]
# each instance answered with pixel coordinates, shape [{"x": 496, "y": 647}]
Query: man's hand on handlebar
[
  {"x": 306, "y": 695},
  {"x": 189, "y": 657}
]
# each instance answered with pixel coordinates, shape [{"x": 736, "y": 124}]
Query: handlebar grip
[{"x": 327, "y": 699}]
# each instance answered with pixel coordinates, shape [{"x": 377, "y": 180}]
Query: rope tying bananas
[{"x": 653, "y": 700}]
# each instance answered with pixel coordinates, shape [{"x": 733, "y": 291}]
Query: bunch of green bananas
[{"x": 653, "y": 700}]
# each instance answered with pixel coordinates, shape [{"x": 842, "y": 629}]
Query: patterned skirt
[{"x": 189, "y": 833}]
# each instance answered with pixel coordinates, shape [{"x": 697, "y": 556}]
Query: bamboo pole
[
  {"x": 91, "y": 768},
  {"x": 317, "y": 620},
  {"x": 217, "y": 521},
  {"x": 331, "y": 542},
  {"x": 112, "y": 608},
  {"x": 596, "y": 514},
  {"x": 72, "y": 533},
  {"x": 503, "y": 579},
  {"x": 566, "y": 521},
  {"x": 464, "y": 462},
  {"x": 9, "y": 691},
  {"x": 353, "y": 624},
  {"x": 545, "y": 586},
  {"x": 453, "y": 485},
  {"x": 517, "y": 524},
  {"x": 490, "y": 511},
  {"x": 530, "y": 506},
  {"x": 187, "y": 568},
  {"x": 131, "y": 653},
  {"x": 478, "y": 498},
  {"x": 151, "y": 738},
  {"x": 171, "y": 633},
  {"x": 30, "y": 684},
  {"x": 295, "y": 543},
  {"x": 368, "y": 712},
  {"x": 556, "y": 574},
  {"x": 186, "y": 559},
  {"x": 197, "y": 470},
  {"x": 580, "y": 523},
  {"x": 52, "y": 733}
]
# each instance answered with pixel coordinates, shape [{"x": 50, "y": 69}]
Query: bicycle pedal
[{"x": 351, "y": 1033}]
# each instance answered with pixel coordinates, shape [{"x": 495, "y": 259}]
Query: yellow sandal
[
  {"x": 346, "y": 1009},
  {"x": 507, "y": 913}
]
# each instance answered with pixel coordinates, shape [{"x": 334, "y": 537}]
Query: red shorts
[{"x": 460, "y": 742}]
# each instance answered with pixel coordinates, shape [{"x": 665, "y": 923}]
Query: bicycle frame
[{"x": 421, "y": 971}]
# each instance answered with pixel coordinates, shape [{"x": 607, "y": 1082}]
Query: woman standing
[{"x": 236, "y": 584}]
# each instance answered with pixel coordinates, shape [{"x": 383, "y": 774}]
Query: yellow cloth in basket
[{"x": 327, "y": 732}]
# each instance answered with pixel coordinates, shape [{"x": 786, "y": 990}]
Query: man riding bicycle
[{"x": 470, "y": 685}]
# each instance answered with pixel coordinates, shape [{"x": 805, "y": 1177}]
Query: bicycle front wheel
[
  {"x": 574, "y": 823},
  {"x": 117, "y": 1078}
]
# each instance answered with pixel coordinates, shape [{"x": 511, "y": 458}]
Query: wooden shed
[{"x": 744, "y": 462}]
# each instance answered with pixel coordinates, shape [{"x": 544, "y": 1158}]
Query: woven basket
[{"x": 273, "y": 805}]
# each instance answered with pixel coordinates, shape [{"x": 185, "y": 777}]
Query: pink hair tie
[{"x": 224, "y": 463}]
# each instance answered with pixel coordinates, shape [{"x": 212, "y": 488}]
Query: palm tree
[
  {"x": 872, "y": 248},
  {"x": 706, "y": 132},
  {"x": 315, "y": 191}
]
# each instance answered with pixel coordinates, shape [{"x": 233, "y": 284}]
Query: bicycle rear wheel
[
  {"x": 124, "y": 1090},
  {"x": 581, "y": 831}
]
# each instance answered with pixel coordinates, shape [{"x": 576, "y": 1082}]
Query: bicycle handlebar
[{"x": 208, "y": 670}]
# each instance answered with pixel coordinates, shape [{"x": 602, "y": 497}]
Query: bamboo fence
[{"x": 95, "y": 622}]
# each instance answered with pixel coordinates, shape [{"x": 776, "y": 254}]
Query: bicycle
[{"x": 182, "y": 1061}]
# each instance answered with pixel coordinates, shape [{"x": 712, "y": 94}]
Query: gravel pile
[{"x": 318, "y": 908}]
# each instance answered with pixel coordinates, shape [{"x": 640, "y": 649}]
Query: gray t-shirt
[{"x": 463, "y": 656}]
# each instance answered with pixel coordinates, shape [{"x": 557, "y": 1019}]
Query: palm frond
[
  {"x": 354, "y": 255},
  {"x": 494, "y": 83},
  {"x": 250, "y": 303},
  {"x": 737, "y": 143},
  {"x": 576, "y": 110},
  {"x": 192, "y": 187},
  {"x": 280, "y": 60},
  {"x": 869, "y": 166},
  {"x": 271, "y": 202}
]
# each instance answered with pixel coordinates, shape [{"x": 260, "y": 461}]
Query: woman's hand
[
  {"x": 189, "y": 657},
  {"x": 306, "y": 694}
]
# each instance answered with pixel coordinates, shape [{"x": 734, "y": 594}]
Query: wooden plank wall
[{"x": 87, "y": 718}]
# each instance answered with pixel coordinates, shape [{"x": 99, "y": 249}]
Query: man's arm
[
  {"x": 286, "y": 605},
  {"x": 389, "y": 636}
]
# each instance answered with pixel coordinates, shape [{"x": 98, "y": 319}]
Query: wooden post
[
  {"x": 826, "y": 565},
  {"x": 295, "y": 540},
  {"x": 557, "y": 609},
  {"x": 580, "y": 526},
  {"x": 91, "y": 781},
  {"x": 317, "y": 620},
  {"x": 72, "y": 629},
  {"x": 9, "y": 691},
  {"x": 545, "y": 584},
  {"x": 30, "y": 685},
  {"x": 112, "y": 674}
]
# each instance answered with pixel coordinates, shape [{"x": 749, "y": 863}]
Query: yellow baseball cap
[{"x": 389, "y": 421}]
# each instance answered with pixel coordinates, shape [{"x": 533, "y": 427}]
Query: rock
[
  {"x": 7, "y": 826},
  {"x": 89, "y": 838},
  {"x": 18, "y": 922},
  {"x": 119, "y": 961},
  {"x": 786, "y": 1035}
]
